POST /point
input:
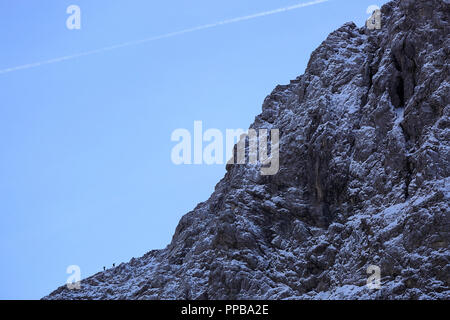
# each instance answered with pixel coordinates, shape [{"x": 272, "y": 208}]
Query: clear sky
[{"x": 86, "y": 176}]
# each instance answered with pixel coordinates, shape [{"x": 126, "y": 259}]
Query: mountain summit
[{"x": 363, "y": 181}]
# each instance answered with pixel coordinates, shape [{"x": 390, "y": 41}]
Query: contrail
[{"x": 163, "y": 36}]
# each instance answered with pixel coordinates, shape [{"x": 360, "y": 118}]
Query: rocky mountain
[{"x": 363, "y": 180}]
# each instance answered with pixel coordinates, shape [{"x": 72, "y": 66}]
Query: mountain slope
[{"x": 363, "y": 180}]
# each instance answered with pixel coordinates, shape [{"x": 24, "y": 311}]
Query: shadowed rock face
[{"x": 363, "y": 180}]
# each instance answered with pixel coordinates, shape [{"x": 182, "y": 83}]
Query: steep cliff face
[{"x": 363, "y": 180}]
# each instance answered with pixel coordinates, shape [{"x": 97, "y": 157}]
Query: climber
[{"x": 104, "y": 268}]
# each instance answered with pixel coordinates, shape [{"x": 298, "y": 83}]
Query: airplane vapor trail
[{"x": 163, "y": 36}]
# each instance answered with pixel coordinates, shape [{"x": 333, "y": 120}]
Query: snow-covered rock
[{"x": 363, "y": 180}]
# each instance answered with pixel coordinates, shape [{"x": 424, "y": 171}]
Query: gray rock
[{"x": 363, "y": 180}]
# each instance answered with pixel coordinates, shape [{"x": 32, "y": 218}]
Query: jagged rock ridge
[{"x": 363, "y": 180}]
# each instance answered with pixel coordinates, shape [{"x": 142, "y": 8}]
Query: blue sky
[{"x": 86, "y": 176}]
